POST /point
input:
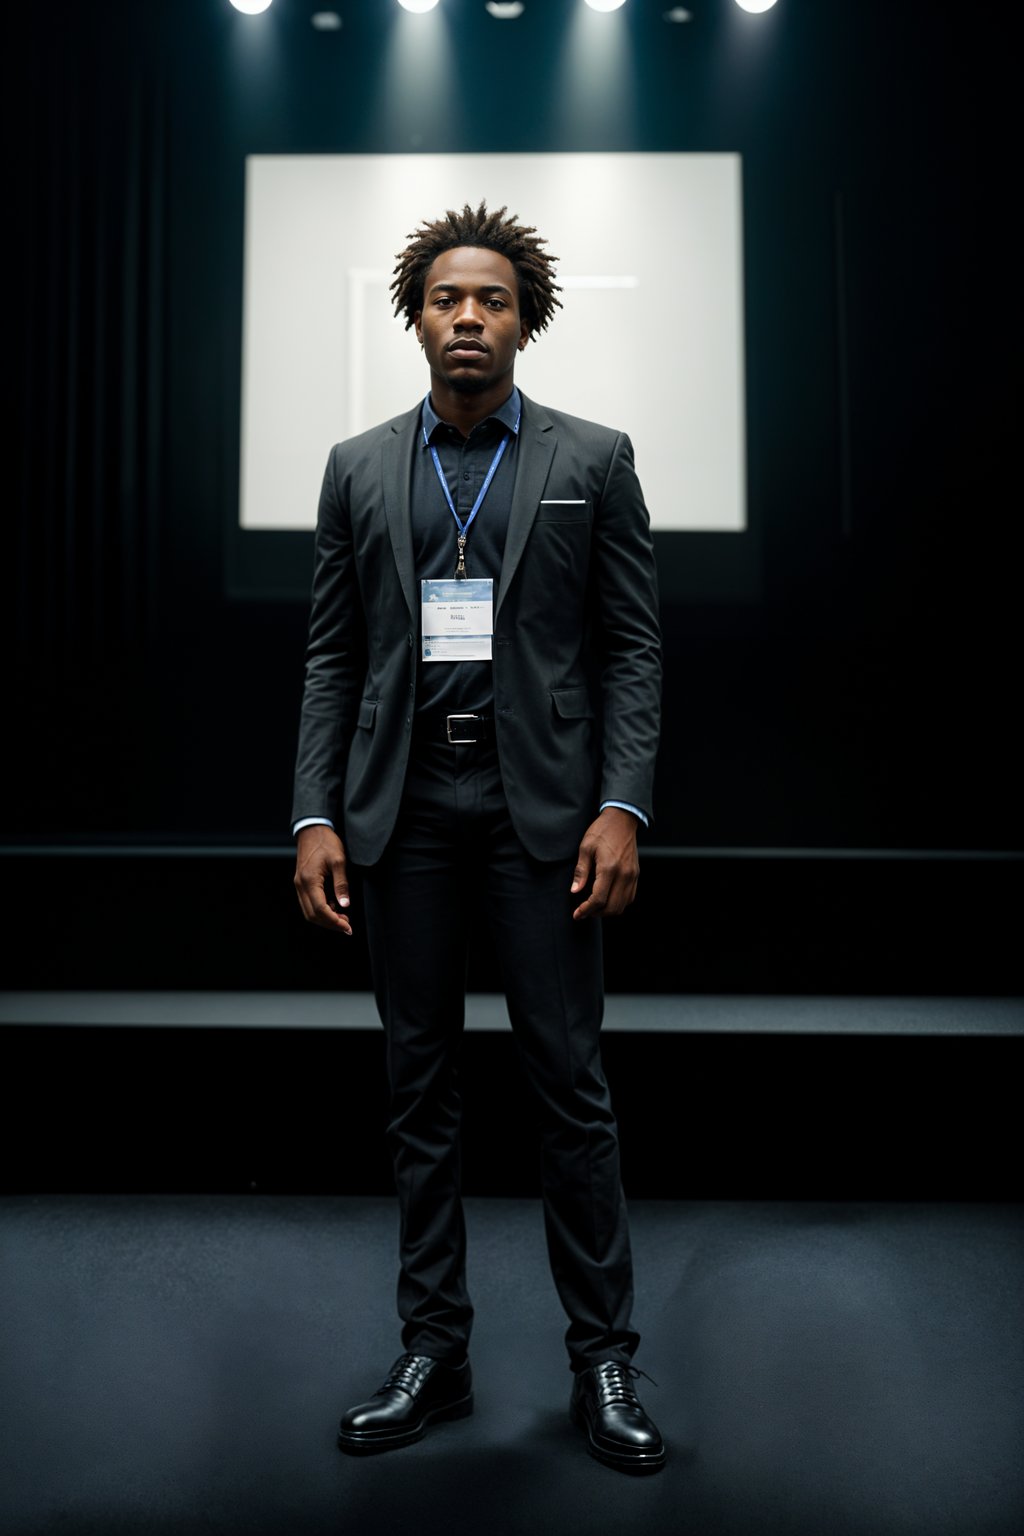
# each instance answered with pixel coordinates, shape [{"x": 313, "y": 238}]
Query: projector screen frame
[{"x": 696, "y": 565}]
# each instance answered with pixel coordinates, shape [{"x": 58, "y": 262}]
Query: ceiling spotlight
[
  {"x": 417, "y": 6},
  {"x": 677, "y": 13},
  {"x": 251, "y": 7},
  {"x": 325, "y": 21},
  {"x": 505, "y": 10},
  {"x": 605, "y": 5},
  {"x": 755, "y": 6}
]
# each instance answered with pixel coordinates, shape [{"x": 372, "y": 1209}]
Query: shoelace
[
  {"x": 615, "y": 1383},
  {"x": 407, "y": 1373}
]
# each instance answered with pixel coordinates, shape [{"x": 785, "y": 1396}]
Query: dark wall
[{"x": 864, "y": 697}]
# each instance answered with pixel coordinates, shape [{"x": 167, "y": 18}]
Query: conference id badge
[{"x": 457, "y": 619}]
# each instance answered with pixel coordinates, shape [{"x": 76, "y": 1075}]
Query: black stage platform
[
  {"x": 717, "y": 1097},
  {"x": 176, "y": 1365}
]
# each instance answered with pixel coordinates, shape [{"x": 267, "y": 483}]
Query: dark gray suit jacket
[{"x": 576, "y": 652}]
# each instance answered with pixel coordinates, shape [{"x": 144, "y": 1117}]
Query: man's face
[{"x": 470, "y": 325}]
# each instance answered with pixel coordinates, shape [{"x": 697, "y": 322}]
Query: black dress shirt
[{"x": 461, "y": 687}]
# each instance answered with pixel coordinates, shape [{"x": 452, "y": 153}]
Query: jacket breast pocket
[{"x": 563, "y": 512}]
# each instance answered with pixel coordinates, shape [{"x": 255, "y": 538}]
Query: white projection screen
[{"x": 649, "y": 339}]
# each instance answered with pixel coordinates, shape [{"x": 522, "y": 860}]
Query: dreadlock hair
[{"x": 518, "y": 242}]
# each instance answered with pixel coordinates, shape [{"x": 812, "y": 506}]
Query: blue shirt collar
[{"x": 507, "y": 414}]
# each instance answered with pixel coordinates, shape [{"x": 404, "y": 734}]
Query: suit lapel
[
  {"x": 396, "y": 457},
  {"x": 536, "y": 449}
]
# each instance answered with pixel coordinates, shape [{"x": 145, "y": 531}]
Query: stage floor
[{"x": 177, "y": 1364}]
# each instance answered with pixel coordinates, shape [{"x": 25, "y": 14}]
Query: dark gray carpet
[{"x": 178, "y": 1364}]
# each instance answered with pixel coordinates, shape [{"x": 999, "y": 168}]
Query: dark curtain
[{"x": 86, "y": 382}]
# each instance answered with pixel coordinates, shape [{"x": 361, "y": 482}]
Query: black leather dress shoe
[
  {"x": 619, "y": 1432},
  {"x": 418, "y": 1391}
]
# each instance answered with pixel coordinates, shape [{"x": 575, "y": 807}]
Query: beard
[{"x": 471, "y": 384}]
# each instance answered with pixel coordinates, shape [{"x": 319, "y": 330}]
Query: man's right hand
[{"x": 321, "y": 879}]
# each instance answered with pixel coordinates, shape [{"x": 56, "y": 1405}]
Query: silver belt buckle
[{"x": 461, "y": 741}]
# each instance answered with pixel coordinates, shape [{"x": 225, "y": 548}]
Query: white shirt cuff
[
  {"x": 312, "y": 821},
  {"x": 623, "y": 805}
]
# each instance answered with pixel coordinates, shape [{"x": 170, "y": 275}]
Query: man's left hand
[{"x": 609, "y": 859}]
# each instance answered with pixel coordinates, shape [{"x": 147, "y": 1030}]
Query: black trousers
[{"x": 454, "y": 850}]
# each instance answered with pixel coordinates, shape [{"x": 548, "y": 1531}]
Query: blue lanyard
[{"x": 463, "y": 527}]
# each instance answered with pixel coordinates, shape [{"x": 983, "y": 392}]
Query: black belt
[{"x": 457, "y": 730}]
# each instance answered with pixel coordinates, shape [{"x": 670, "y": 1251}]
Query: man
[{"x": 479, "y": 727}]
